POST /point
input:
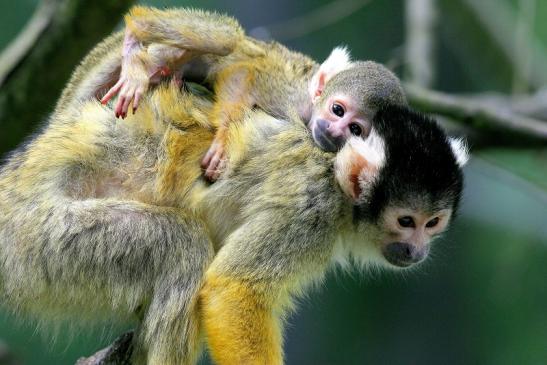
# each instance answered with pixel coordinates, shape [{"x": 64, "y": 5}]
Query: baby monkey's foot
[
  {"x": 131, "y": 90},
  {"x": 214, "y": 161},
  {"x": 134, "y": 77},
  {"x": 141, "y": 67},
  {"x": 178, "y": 78}
]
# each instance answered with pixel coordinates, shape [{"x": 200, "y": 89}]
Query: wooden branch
[
  {"x": 495, "y": 122},
  {"x": 119, "y": 353},
  {"x": 533, "y": 105},
  {"x": 40, "y": 62},
  {"x": 6, "y": 356}
]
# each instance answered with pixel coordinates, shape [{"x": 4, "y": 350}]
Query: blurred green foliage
[{"x": 481, "y": 299}]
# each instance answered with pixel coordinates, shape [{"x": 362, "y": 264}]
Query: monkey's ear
[
  {"x": 460, "y": 150},
  {"x": 357, "y": 165},
  {"x": 338, "y": 60}
]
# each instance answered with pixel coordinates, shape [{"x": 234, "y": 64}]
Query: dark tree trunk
[{"x": 30, "y": 88}]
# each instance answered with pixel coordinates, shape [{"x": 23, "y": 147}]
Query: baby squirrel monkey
[{"x": 337, "y": 99}]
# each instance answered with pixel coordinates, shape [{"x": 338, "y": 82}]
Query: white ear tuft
[
  {"x": 338, "y": 60},
  {"x": 460, "y": 150}
]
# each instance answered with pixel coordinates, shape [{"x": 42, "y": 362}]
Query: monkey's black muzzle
[{"x": 404, "y": 254}]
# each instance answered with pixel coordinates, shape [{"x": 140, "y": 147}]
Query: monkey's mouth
[{"x": 400, "y": 264}]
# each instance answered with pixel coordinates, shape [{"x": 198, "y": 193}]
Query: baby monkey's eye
[
  {"x": 338, "y": 110},
  {"x": 432, "y": 223},
  {"x": 355, "y": 129},
  {"x": 406, "y": 222}
]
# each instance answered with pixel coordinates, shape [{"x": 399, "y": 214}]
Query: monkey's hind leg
[
  {"x": 234, "y": 97},
  {"x": 170, "y": 328},
  {"x": 179, "y": 252},
  {"x": 123, "y": 257}
]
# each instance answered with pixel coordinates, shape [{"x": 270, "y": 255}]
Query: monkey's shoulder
[{"x": 276, "y": 161}]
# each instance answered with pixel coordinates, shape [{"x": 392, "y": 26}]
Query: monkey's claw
[
  {"x": 130, "y": 93},
  {"x": 214, "y": 161}
]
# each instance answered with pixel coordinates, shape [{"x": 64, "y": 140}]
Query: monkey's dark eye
[
  {"x": 338, "y": 110},
  {"x": 406, "y": 222},
  {"x": 355, "y": 129},
  {"x": 432, "y": 223}
]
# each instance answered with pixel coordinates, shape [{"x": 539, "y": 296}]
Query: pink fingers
[
  {"x": 216, "y": 165},
  {"x": 211, "y": 171},
  {"x": 112, "y": 92},
  {"x": 119, "y": 106},
  {"x": 137, "y": 99},
  {"x": 208, "y": 156}
]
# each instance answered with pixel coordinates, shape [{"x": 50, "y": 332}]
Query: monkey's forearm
[
  {"x": 240, "y": 323},
  {"x": 245, "y": 296},
  {"x": 234, "y": 96}
]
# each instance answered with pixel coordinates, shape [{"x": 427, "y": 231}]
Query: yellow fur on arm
[{"x": 239, "y": 322}]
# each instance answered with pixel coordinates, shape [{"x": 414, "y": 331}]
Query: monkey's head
[
  {"x": 346, "y": 95},
  {"x": 405, "y": 181}
]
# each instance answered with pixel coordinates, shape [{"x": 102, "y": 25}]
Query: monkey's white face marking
[
  {"x": 460, "y": 150},
  {"x": 408, "y": 234},
  {"x": 404, "y": 223},
  {"x": 358, "y": 163},
  {"x": 394, "y": 241}
]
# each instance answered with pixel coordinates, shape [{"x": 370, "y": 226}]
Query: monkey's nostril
[
  {"x": 323, "y": 124},
  {"x": 408, "y": 251}
]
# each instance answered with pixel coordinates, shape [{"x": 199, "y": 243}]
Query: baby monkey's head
[
  {"x": 405, "y": 181},
  {"x": 346, "y": 95}
]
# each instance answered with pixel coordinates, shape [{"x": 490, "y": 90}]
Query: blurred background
[{"x": 482, "y": 297}]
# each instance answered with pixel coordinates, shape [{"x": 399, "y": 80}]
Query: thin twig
[
  {"x": 481, "y": 116},
  {"x": 25, "y": 41},
  {"x": 6, "y": 356},
  {"x": 118, "y": 353},
  {"x": 36, "y": 78}
]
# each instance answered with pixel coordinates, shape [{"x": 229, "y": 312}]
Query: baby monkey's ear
[
  {"x": 338, "y": 60},
  {"x": 357, "y": 165}
]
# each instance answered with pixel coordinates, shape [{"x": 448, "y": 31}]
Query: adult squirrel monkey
[
  {"x": 105, "y": 218},
  {"x": 336, "y": 99}
]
